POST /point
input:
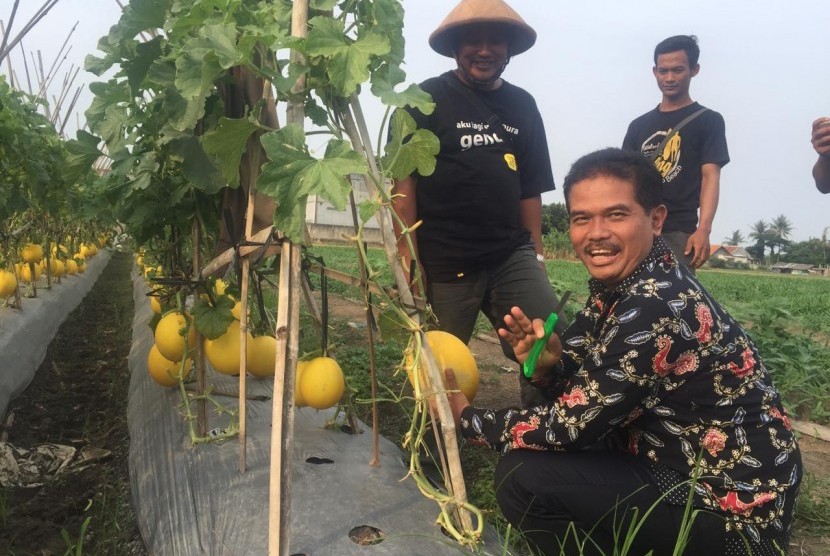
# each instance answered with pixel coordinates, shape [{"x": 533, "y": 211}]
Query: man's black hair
[
  {"x": 686, "y": 43},
  {"x": 621, "y": 164}
]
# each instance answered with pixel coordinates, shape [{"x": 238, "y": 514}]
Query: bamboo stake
[
  {"x": 373, "y": 379},
  {"x": 35, "y": 19},
  {"x": 26, "y": 68},
  {"x": 454, "y": 479},
  {"x": 243, "y": 343},
  {"x": 364, "y": 286},
  {"x": 227, "y": 256},
  {"x": 42, "y": 82},
  {"x": 69, "y": 111},
  {"x": 288, "y": 317},
  {"x": 5, "y": 36},
  {"x": 253, "y": 158},
  {"x": 199, "y": 356},
  {"x": 68, "y": 80}
]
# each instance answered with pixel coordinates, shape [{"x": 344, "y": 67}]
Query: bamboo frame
[{"x": 450, "y": 458}]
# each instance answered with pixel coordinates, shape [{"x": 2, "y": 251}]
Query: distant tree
[
  {"x": 554, "y": 217},
  {"x": 779, "y": 230},
  {"x": 812, "y": 251},
  {"x": 760, "y": 234},
  {"x": 756, "y": 251},
  {"x": 781, "y": 226},
  {"x": 736, "y": 238}
]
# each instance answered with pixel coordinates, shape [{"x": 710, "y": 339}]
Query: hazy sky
[{"x": 763, "y": 66}]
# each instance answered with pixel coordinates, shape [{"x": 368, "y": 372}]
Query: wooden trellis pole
[
  {"x": 253, "y": 157},
  {"x": 199, "y": 355},
  {"x": 288, "y": 324}
]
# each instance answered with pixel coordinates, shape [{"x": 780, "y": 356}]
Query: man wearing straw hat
[{"x": 480, "y": 243}]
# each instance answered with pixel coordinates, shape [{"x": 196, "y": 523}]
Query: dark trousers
[
  {"x": 677, "y": 242},
  {"x": 518, "y": 282},
  {"x": 558, "y": 499}
]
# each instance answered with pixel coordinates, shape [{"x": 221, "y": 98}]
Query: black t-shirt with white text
[
  {"x": 700, "y": 141},
  {"x": 470, "y": 204}
]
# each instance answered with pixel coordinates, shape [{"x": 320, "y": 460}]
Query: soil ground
[{"x": 79, "y": 398}]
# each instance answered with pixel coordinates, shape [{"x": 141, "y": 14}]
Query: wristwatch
[{"x": 540, "y": 257}]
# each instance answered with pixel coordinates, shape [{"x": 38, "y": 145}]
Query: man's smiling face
[{"x": 610, "y": 231}]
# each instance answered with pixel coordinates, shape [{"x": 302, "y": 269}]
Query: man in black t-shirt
[
  {"x": 690, "y": 160},
  {"x": 480, "y": 241}
]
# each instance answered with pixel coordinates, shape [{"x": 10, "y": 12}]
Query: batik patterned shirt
[{"x": 656, "y": 363}]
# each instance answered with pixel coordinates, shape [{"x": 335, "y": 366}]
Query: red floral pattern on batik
[{"x": 714, "y": 441}]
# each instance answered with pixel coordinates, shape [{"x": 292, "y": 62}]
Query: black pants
[{"x": 559, "y": 499}]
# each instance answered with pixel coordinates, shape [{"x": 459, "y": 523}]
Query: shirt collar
[{"x": 660, "y": 252}]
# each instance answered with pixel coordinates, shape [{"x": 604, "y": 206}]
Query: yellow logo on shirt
[{"x": 511, "y": 161}]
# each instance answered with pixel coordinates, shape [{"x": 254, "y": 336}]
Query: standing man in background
[
  {"x": 480, "y": 241},
  {"x": 687, "y": 143},
  {"x": 821, "y": 142}
]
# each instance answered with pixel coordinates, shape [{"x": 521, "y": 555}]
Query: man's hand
[
  {"x": 821, "y": 136},
  {"x": 521, "y": 333},
  {"x": 458, "y": 401},
  {"x": 699, "y": 244},
  {"x": 821, "y": 143}
]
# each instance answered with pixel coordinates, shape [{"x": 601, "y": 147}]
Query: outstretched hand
[{"x": 521, "y": 333}]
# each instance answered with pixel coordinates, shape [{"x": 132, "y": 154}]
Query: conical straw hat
[{"x": 468, "y": 12}]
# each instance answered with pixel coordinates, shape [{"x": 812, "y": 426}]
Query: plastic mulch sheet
[
  {"x": 25, "y": 333},
  {"x": 192, "y": 500}
]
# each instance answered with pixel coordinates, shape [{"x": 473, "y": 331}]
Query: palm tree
[
  {"x": 736, "y": 238},
  {"x": 760, "y": 234},
  {"x": 780, "y": 229}
]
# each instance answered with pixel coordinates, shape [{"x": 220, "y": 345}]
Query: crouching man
[{"x": 653, "y": 388}]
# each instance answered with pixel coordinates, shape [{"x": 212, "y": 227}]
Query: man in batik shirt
[{"x": 654, "y": 387}]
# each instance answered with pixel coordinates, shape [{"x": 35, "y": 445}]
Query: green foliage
[
  {"x": 213, "y": 319},
  {"x": 736, "y": 238},
  {"x": 557, "y": 245},
  {"x": 176, "y": 117},
  {"x": 813, "y": 508},
  {"x": 27, "y": 181},
  {"x": 41, "y": 200},
  {"x": 75, "y": 547},
  {"x": 813, "y": 251},
  {"x": 293, "y": 174},
  {"x": 802, "y": 296},
  {"x": 554, "y": 218},
  {"x": 409, "y": 149}
]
